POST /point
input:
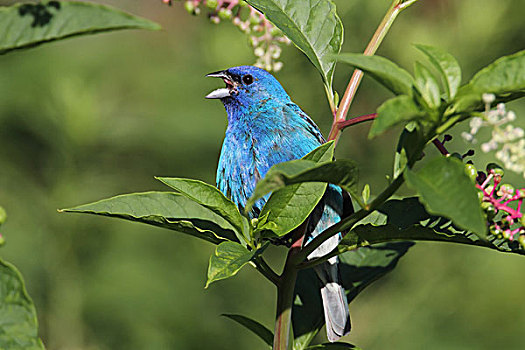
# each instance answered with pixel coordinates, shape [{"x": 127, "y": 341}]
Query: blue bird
[{"x": 265, "y": 128}]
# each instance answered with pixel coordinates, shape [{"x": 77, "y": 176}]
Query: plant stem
[
  {"x": 331, "y": 102},
  {"x": 497, "y": 203},
  {"x": 380, "y": 33},
  {"x": 440, "y": 147},
  {"x": 356, "y": 120},
  {"x": 451, "y": 121},
  {"x": 285, "y": 292},
  {"x": 266, "y": 270},
  {"x": 284, "y": 308}
]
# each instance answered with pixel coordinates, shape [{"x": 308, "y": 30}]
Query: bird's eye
[{"x": 247, "y": 79}]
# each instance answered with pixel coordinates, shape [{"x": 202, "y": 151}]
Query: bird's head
[{"x": 247, "y": 85}]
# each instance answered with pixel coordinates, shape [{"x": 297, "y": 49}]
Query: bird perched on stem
[{"x": 265, "y": 128}]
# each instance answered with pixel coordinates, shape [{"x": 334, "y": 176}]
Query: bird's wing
[
  {"x": 280, "y": 133},
  {"x": 309, "y": 124}
]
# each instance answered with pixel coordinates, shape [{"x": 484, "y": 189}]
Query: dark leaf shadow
[{"x": 358, "y": 269}]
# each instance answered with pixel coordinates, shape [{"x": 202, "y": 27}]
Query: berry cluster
[
  {"x": 264, "y": 37},
  {"x": 501, "y": 204}
]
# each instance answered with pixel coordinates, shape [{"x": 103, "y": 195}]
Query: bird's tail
[{"x": 335, "y": 304}]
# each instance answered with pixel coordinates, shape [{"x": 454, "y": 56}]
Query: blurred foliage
[
  {"x": 18, "y": 326},
  {"x": 88, "y": 118}
]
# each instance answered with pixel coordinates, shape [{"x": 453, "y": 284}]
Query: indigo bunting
[{"x": 265, "y": 128}]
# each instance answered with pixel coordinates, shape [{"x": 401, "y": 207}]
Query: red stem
[
  {"x": 487, "y": 180},
  {"x": 496, "y": 184},
  {"x": 440, "y": 147},
  {"x": 498, "y": 205},
  {"x": 356, "y": 120}
]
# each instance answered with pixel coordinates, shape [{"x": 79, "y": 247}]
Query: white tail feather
[
  {"x": 335, "y": 304},
  {"x": 336, "y": 313}
]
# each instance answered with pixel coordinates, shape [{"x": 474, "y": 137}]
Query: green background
[{"x": 88, "y": 118}]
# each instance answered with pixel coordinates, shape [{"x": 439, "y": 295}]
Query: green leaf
[
  {"x": 31, "y": 24},
  {"x": 211, "y": 198},
  {"x": 358, "y": 269},
  {"x": 343, "y": 173},
  {"x": 307, "y": 181},
  {"x": 503, "y": 78},
  {"x": 313, "y": 26},
  {"x": 407, "y": 219},
  {"x": 261, "y": 331},
  {"x": 333, "y": 346},
  {"x": 323, "y": 153},
  {"x": 427, "y": 85},
  {"x": 165, "y": 209},
  {"x": 446, "y": 65},
  {"x": 446, "y": 190},
  {"x": 228, "y": 259},
  {"x": 307, "y": 311},
  {"x": 386, "y": 72},
  {"x": 290, "y": 206},
  {"x": 397, "y": 110},
  {"x": 18, "y": 322},
  {"x": 366, "y": 193},
  {"x": 505, "y": 75},
  {"x": 408, "y": 144}
]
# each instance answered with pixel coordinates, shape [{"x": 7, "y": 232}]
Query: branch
[
  {"x": 356, "y": 120},
  {"x": 266, "y": 270},
  {"x": 285, "y": 291},
  {"x": 395, "y": 9},
  {"x": 440, "y": 147}
]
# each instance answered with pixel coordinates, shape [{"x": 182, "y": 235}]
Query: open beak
[{"x": 222, "y": 92}]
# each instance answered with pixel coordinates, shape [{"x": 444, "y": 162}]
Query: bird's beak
[{"x": 222, "y": 92}]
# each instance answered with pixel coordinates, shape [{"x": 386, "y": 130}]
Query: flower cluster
[
  {"x": 508, "y": 141},
  {"x": 502, "y": 205},
  {"x": 264, "y": 37}
]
